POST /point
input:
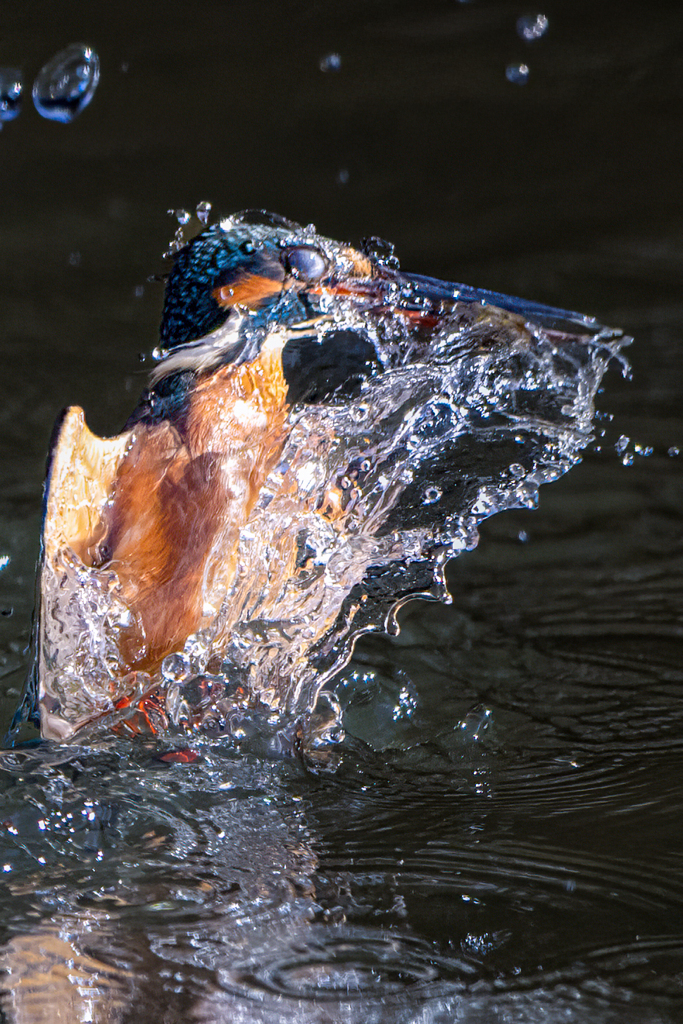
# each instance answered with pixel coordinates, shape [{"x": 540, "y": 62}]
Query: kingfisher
[{"x": 311, "y": 446}]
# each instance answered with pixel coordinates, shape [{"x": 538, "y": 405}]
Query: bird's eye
[{"x": 304, "y": 263}]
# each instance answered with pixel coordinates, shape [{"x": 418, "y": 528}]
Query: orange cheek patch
[{"x": 250, "y": 290}]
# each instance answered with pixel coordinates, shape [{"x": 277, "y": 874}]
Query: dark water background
[{"x": 503, "y": 840}]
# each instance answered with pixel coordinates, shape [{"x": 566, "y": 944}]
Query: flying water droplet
[
  {"x": 342, "y": 176},
  {"x": 182, "y": 216},
  {"x": 203, "y": 211},
  {"x": 330, "y": 62},
  {"x": 673, "y": 452},
  {"x": 10, "y": 93},
  {"x": 532, "y": 26},
  {"x": 67, "y": 83},
  {"x": 622, "y": 444},
  {"x": 517, "y": 73},
  {"x": 627, "y": 459}
]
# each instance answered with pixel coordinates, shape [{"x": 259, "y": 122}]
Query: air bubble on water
[
  {"x": 203, "y": 211},
  {"x": 330, "y": 62},
  {"x": 622, "y": 444},
  {"x": 475, "y": 723},
  {"x": 627, "y": 459},
  {"x": 532, "y": 26},
  {"x": 431, "y": 494},
  {"x": 673, "y": 451},
  {"x": 67, "y": 83},
  {"x": 518, "y": 74},
  {"x": 10, "y": 93}
]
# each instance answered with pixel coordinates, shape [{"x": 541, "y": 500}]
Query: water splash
[
  {"x": 66, "y": 84},
  {"x": 455, "y": 409}
]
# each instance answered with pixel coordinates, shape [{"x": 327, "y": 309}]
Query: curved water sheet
[{"x": 392, "y": 415}]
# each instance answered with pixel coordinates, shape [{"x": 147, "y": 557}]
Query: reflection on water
[{"x": 394, "y": 890}]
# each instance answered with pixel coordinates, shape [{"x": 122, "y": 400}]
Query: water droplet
[
  {"x": 644, "y": 450},
  {"x": 431, "y": 495},
  {"x": 330, "y": 62},
  {"x": 517, "y": 73},
  {"x": 74, "y": 259},
  {"x": 5, "y": 559},
  {"x": 139, "y": 291},
  {"x": 622, "y": 444},
  {"x": 532, "y": 26},
  {"x": 175, "y": 667},
  {"x": 67, "y": 83},
  {"x": 182, "y": 216},
  {"x": 342, "y": 176},
  {"x": 379, "y": 250},
  {"x": 203, "y": 211},
  {"x": 673, "y": 452},
  {"x": 523, "y": 537},
  {"x": 627, "y": 459},
  {"x": 516, "y": 470},
  {"x": 10, "y": 93}
]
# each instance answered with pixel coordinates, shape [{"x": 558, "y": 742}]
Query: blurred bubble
[
  {"x": 67, "y": 83},
  {"x": 10, "y": 93},
  {"x": 330, "y": 62},
  {"x": 532, "y": 26},
  {"x": 517, "y": 73},
  {"x": 342, "y": 176}
]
